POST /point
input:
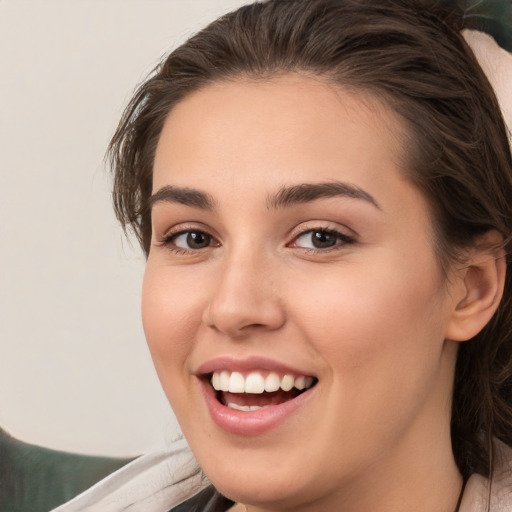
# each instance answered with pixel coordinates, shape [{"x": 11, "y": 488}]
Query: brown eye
[
  {"x": 318, "y": 239},
  {"x": 198, "y": 240},
  {"x": 192, "y": 240},
  {"x": 323, "y": 239}
]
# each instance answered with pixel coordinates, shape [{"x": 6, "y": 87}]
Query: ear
[{"x": 478, "y": 288}]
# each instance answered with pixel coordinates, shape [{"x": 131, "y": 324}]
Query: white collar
[
  {"x": 497, "y": 65},
  {"x": 478, "y": 493},
  {"x": 152, "y": 483}
]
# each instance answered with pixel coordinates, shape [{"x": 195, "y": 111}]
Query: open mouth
[{"x": 256, "y": 390}]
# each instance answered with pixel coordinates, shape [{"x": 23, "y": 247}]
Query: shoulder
[
  {"x": 156, "y": 482},
  {"x": 480, "y": 491}
]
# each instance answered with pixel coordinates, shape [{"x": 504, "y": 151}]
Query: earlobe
[{"x": 481, "y": 282}]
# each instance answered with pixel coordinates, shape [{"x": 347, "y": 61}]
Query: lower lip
[{"x": 251, "y": 423}]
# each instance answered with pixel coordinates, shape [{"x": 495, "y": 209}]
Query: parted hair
[{"x": 411, "y": 55}]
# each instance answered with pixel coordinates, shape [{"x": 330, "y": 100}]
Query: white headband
[{"x": 497, "y": 65}]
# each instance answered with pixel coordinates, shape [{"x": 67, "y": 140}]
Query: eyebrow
[
  {"x": 187, "y": 196},
  {"x": 308, "y": 192},
  {"x": 284, "y": 197}
]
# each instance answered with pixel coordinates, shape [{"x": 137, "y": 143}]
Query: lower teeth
[
  {"x": 246, "y": 408},
  {"x": 265, "y": 400}
]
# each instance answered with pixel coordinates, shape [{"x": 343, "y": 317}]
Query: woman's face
[{"x": 288, "y": 250}]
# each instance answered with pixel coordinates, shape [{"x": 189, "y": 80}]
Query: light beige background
[{"x": 75, "y": 373}]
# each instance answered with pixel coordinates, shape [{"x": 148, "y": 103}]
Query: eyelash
[
  {"x": 169, "y": 240},
  {"x": 341, "y": 239}
]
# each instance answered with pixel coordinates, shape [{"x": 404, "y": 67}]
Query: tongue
[{"x": 261, "y": 400}]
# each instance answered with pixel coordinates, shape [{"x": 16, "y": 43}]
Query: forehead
[{"x": 294, "y": 128}]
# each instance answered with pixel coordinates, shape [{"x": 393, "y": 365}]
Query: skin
[{"x": 370, "y": 318}]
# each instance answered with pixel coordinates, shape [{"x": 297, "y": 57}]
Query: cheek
[
  {"x": 171, "y": 317},
  {"x": 378, "y": 328},
  {"x": 380, "y": 336}
]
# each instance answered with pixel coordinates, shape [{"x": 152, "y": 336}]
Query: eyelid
[
  {"x": 166, "y": 239},
  {"x": 319, "y": 225},
  {"x": 183, "y": 227},
  {"x": 346, "y": 235}
]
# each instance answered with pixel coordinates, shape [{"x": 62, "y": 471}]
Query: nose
[{"x": 245, "y": 298}]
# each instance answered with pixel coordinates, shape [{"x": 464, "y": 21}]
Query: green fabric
[
  {"x": 36, "y": 479},
  {"x": 493, "y": 17}
]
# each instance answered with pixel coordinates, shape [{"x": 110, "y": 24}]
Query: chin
[
  {"x": 266, "y": 477},
  {"x": 265, "y": 490}
]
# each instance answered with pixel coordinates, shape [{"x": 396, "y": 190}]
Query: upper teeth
[{"x": 255, "y": 382}]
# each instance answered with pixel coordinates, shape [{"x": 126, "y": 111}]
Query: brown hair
[{"x": 414, "y": 57}]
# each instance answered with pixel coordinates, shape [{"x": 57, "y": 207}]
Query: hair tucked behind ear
[{"x": 412, "y": 56}]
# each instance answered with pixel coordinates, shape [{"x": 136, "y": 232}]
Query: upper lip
[{"x": 249, "y": 364}]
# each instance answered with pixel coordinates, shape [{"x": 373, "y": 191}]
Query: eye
[
  {"x": 192, "y": 240},
  {"x": 189, "y": 240},
  {"x": 318, "y": 239}
]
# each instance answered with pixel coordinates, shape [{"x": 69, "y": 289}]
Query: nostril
[
  {"x": 238, "y": 322},
  {"x": 253, "y": 326}
]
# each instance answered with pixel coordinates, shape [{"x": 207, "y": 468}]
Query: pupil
[
  {"x": 198, "y": 240},
  {"x": 322, "y": 239}
]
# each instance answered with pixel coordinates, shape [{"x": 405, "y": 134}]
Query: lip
[
  {"x": 231, "y": 364},
  {"x": 249, "y": 423}
]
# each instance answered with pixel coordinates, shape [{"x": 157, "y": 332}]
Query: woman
[{"x": 322, "y": 189}]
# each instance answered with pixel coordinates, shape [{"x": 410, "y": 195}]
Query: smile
[
  {"x": 271, "y": 389},
  {"x": 257, "y": 383},
  {"x": 251, "y": 402}
]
